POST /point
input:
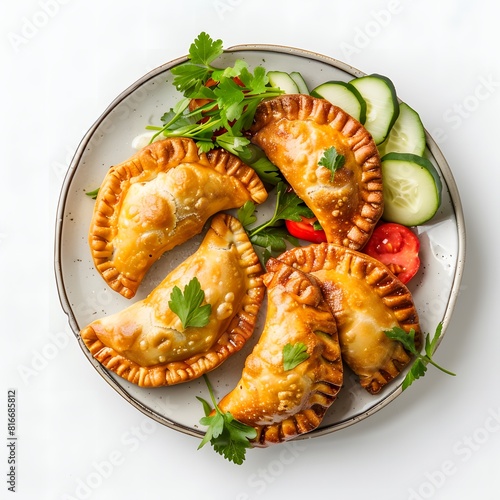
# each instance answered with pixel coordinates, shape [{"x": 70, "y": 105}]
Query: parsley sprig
[
  {"x": 271, "y": 234},
  {"x": 228, "y": 437},
  {"x": 187, "y": 305},
  {"x": 419, "y": 366},
  {"x": 231, "y": 104},
  {"x": 332, "y": 160}
]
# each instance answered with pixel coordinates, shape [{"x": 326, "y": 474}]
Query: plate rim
[{"x": 73, "y": 166}]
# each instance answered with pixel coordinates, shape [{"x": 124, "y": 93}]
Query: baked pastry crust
[
  {"x": 146, "y": 344},
  {"x": 159, "y": 198},
  {"x": 284, "y": 404},
  {"x": 366, "y": 299},
  {"x": 294, "y": 130}
]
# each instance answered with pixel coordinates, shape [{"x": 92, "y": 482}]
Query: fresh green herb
[
  {"x": 246, "y": 214},
  {"x": 288, "y": 207},
  {"x": 267, "y": 171},
  {"x": 188, "y": 306},
  {"x": 419, "y": 366},
  {"x": 293, "y": 355},
  {"x": 233, "y": 99},
  {"x": 332, "y": 161},
  {"x": 228, "y": 437},
  {"x": 273, "y": 239},
  {"x": 271, "y": 235},
  {"x": 93, "y": 194},
  {"x": 202, "y": 52}
]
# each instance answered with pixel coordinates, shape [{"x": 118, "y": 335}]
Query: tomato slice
[
  {"x": 304, "y": 230},
  {"x": 397, "y": 247}
]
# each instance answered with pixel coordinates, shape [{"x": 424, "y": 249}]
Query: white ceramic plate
[{"x": 85, "y": 296}]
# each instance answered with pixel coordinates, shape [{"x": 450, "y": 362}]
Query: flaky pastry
[
  {"x": 284, "y": 403},
  {"x": 366, "y": 299},
  {"x": 294, "y": 131},
  {"x": 159, "y": 198},
  {"x": 146, "y": 343}
]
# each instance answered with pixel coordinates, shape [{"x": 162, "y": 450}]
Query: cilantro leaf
[
  {"x": 232, "y": 102},
  {"x": 419, "y": 366},
  {"x": 431, "y": 345},
  {"x": 229, "y": 99},
  {"x": 417, "y": 370},
  {"x": 228, "y": 437},
  {"x": 332, "y": 161},
  {"x": 231, "y": 143},
  {"x": 273, "y": 238},
  {"x": 187, "y": 76},
  {"x": 204, "y": 50},
  {"x": 246, "y": 214},
  {"x": 256, "y": 81},
  {"x": 291, "y": 207},
  {"x": 205, "y": 146},
  {"x": 407, "y": 339},
  {"x": 267, "y": 171},
  {"x": 293, "y": 355},
  {"x": 188, "y": 306},
  {"x": 288, "y": 207},
  {"x": 271, "y": 235},
  {"x": 173, "y": 121},
  {"x": 230, "y": 72},
  {"x": 192, "y": 74}
]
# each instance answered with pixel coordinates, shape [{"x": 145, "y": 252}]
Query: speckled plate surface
[{"x": 85, "y": 296}]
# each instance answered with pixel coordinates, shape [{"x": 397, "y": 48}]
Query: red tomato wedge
[
  {"x": 304, "y": 230},
  {"x": 397, "y": 247}
]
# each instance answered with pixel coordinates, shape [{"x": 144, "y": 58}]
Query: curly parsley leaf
[
  {"x": 228, "y": 437},
  {"x": 293, "y": 355},
  {"x": 187, "y": 305},
  {"x": 332, "y": 161},
  {"x": 419, "y": 366}
]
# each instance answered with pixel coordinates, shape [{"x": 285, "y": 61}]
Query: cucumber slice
[
  {"x": 407, "y": 135},
  {"x": 382, "y": 107},
  {"x": 345, "y": 96},
  {"x": 412, "y": 189},
  {"x": 300, "y": 82},
  {"x": 283, "y": 81}
]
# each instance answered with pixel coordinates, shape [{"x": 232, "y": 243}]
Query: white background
[{"x": 63, "y": 62}]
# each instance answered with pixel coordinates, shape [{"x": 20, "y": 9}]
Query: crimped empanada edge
[{"x": 230, "y": 341}]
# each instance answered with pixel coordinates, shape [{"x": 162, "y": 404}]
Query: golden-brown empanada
[
  {"x": 158, "y": 199},
  {"x": 146, "y": 343},
  {"x": 366, "y": 299},
  {"x": 282, "y": 404},
  {"x": 294, "y": 130}
]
